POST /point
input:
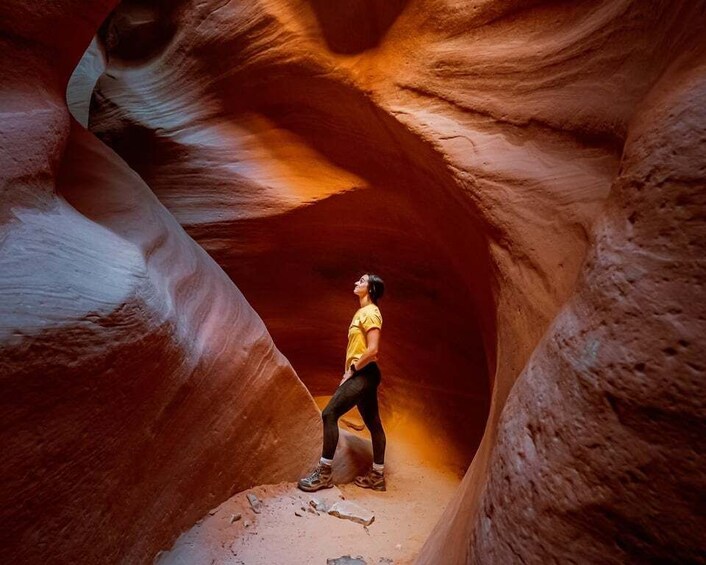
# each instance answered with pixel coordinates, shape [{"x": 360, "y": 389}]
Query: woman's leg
[
  {"x": 346, "y": 397},
  {"x": 368, "y": 407}
]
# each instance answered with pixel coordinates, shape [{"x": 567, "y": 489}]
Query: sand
[{"x": 418, "y": 490}]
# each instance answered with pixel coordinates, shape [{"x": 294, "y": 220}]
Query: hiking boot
[
  {"x": 373, "y": 479},
  {"x": 319, "y": 478}
]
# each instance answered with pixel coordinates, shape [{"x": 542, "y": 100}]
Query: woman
[{"x": 358, "y": 387}]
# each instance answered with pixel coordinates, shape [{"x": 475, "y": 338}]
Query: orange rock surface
[
  {"x": 138, "y": 386},
  {"x": 527, "y": 177},
  {"x": 600, "y": 448}
]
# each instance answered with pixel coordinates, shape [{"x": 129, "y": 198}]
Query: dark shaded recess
[
  {"x": 632, "y": 535},
  {"x": 138, "y": 30},
  {"x": 138, "y": 145},
  {"x": 352, "y": 26}
]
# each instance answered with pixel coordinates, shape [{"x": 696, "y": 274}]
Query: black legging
[{"x": 359, "y": 390}]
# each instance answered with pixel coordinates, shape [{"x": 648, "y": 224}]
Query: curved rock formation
[
  {"x": 296, "y": 182},
  {"x": 465, "y": 151},
  {"x": 594, "y": 458},
  {"x": 479, "y": 140},
  {"x": 138, "y": 386},
  {"x": 602, "y": 436}
]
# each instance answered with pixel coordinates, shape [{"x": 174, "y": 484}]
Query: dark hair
[{"x": 376, "y": 287}]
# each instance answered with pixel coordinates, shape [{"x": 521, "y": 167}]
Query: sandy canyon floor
[{"x": 419, "y": 486}]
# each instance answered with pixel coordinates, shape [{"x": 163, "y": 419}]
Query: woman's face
[{"x": 361, "y": 286}]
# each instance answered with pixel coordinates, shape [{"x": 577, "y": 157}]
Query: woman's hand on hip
[{"x": 347, "y": 375}]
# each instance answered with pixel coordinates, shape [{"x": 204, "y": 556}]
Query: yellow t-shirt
[{"x": 364, "y": 319}]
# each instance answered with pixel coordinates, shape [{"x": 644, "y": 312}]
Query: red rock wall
[
  {"x": 139, "y": 388},
  {"x": 466, "y": 151},
  {"x": 600, "y": 450},
  {"x": 463, "y": 138},
  {"x": 596, "y": 456},
  {"x": 484, "y": 135},
  {"x": 296, "y": 182}
]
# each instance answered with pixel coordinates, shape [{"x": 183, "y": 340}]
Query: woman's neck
[{"x": 365, "y": 300}]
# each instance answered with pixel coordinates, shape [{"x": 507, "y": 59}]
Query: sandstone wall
[
  {"x": 526, "y": 175},
  {"x": 478, "y": 139},
  {"x": 600, "y": 450},
  {"x": 594, "y": 457},
  {"x": 139, "y": 388}
]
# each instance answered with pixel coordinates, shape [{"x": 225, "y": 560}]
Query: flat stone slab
[
  {"x": 351, "y": 511},
  {"x": 346, "y": 560},
  {"x": 318, "y": 504},
  {"x": 323, "y": 500}
]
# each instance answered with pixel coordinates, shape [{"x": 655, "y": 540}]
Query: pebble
[{"x": 255, "y": 503}]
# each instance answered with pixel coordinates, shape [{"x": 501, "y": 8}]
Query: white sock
[
  {"x": 325, "y": 461},
  {"x": 378, "y": 467}
]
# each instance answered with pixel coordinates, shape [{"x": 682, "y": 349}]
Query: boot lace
[{"x": 315, "y": 474}]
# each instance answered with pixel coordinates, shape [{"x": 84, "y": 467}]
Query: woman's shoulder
[
  {"x": 368, "y": 310},
  {"x": 372, "y": 309}
]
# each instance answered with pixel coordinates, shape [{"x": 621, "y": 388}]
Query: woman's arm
[{"x": 373, "y": 340}]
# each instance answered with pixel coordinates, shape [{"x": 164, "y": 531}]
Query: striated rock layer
[
  {"x": 466, "y": 152},
  {"x": 463, "y": 150},
  {"x": 139, "y": 388},
  {"x": 296, "y": 182},
  {"x": 597, "y": 455},
  {"x": 600, "y": 449}
]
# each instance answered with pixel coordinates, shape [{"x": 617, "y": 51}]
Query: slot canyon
[{"x": 189, "y": 190}]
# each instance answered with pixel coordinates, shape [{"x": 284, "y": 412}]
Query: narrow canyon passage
[
  {"x": 182, "y": 222},
  {"x": 296, "y": 183},
  {"x": 331, "y": 206},
  {"x": 435, "y": 391}
]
